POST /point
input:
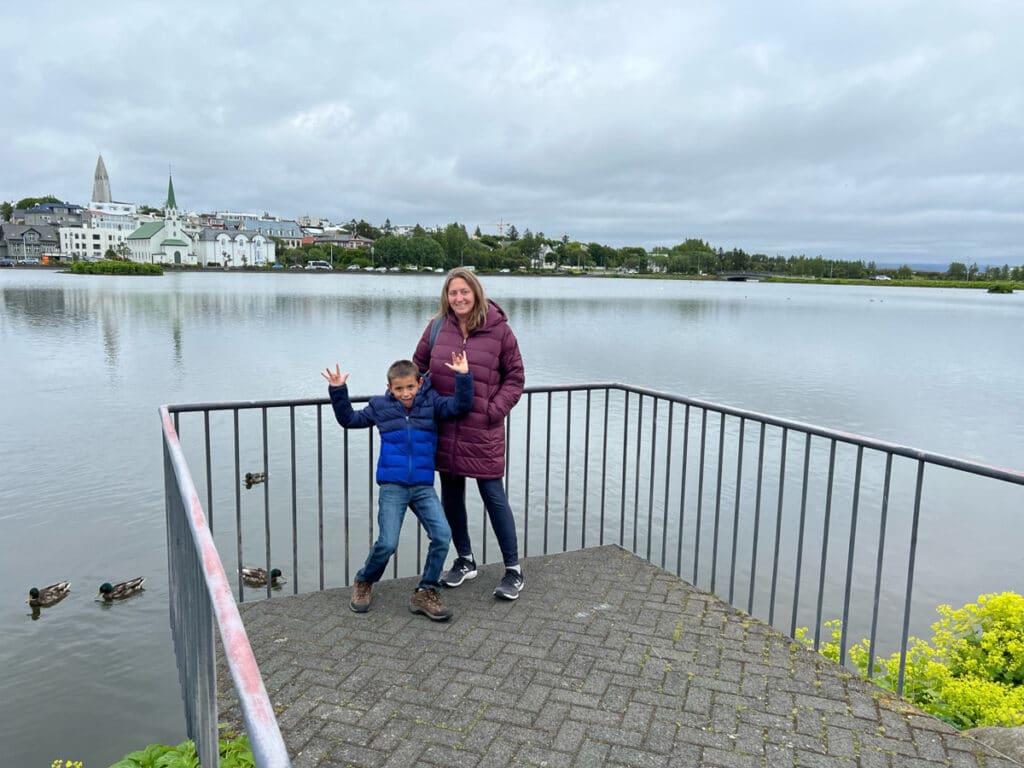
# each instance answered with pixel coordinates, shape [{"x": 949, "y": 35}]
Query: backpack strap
[{"x": 435, "y": 328}]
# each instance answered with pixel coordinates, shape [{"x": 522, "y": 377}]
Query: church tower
[
  {"x": 101, "y": 183},
  {"x": 171, "y": 202}
]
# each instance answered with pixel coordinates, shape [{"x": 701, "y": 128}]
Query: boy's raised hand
[
  {"x": 459, "y": 363},
  {"x": 336, "y": 378}
]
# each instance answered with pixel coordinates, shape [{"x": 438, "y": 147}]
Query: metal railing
[
  {"x": 792, "y": 522},
  {"x": 200, "y": 596}
]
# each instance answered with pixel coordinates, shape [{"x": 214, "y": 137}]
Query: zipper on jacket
[{"x": 408, "y": 447}]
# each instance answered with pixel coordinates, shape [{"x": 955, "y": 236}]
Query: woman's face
[{"x": 460, "y": 298}]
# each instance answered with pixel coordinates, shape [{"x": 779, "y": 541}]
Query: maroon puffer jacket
[{"x": 474, "y": 445}]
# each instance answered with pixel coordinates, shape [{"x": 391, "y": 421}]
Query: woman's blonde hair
[{"x": 479, "y": 314}]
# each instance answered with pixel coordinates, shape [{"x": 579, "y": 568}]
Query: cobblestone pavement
[{"x": 605, "y": 660}]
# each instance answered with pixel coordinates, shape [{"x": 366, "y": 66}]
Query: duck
[
  {"x": 50, "y": 595},
  {"x": 121, "y": 590},
  {"x": 257, "y": 577},
  {"x": 254, "y": 478}
]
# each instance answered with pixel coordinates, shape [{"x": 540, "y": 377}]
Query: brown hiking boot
[
  {"x": 361, "y": 596},
  {"x": 428, "y": 602}
]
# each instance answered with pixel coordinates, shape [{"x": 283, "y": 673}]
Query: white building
[
  {"x": 234, "y": 248},
  {"x": 99, "y": 232}
]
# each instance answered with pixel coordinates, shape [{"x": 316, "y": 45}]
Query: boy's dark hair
[{"x": 402, "y": 368}]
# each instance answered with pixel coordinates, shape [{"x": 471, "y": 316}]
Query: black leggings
[{"x": 492, "y": 491}]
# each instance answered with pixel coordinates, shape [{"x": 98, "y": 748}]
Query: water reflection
[{"x": 86, "y": 361}]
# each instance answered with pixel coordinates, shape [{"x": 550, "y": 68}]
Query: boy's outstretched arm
[
  {"x": 459, "y": 363},
  {"x": 343, "y": 411}
]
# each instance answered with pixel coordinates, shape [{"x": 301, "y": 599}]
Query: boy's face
[{"x": 405, "y": 388}]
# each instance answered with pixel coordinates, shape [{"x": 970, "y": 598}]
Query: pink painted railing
[{"x": 201, "y": 598}]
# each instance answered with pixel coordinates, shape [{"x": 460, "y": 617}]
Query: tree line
[{"x": 451, "y": 246}]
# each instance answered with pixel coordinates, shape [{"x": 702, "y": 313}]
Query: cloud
[{"x": 851, "y": 129}]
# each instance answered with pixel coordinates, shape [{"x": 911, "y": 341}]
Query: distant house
[
  {"x": 163, "y": 242},
  {"x": 545, "y": 258},
  {"x": 285, "y": 230},
  {"x": 56, "y": 214},
  {"x": 29, "y": 241},
  {"x": 349, "y": 242}
]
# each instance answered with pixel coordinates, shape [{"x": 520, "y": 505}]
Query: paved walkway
[{"x": 605, "y": 660}]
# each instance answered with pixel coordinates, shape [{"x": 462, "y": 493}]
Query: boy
[{"x": 406, "y": 417}]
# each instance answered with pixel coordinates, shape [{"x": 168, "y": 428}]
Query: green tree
[
  {"x": 367, "y": 230},
  {"x": 602, "y": 255},
  {"x": 523, "y": 250},
  {"x": 691, "y": 257},
  {"x": 574, "y": 255},
  {"x": 480, "y": 256},
  {"x": 6, "y": 210},
  {"x": 391, "y": 251},
  {"x": 424, "y": 251},
  {"x": 633, "y": 257},
  {"x": 957, "y": 271},
  {"x": 453, "y": 240},
  {"x": 904, "y": 272},
  {"x": 513, "y": 233},
  {"x": 32, "y": 202}
]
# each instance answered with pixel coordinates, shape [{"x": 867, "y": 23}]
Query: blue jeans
[
  {"x": 393, "y": 501},
  {"x": 492, "y": 492}
]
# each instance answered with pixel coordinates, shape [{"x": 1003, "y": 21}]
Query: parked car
[
  {"x": 28, "y": 261},
  {"x": 6, "y": 262},
  {"x": 319, "y": 265},
  {"x": 278, "y": 266}
]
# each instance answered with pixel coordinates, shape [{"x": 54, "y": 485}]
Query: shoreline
[{"x": 1001, "y": 286}]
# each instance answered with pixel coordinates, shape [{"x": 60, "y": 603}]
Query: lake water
[{"x": 85, "y": 361}]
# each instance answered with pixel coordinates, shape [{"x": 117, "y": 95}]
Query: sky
[{"x": 880, "y": 130}]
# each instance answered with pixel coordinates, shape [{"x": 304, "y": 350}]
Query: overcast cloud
[{"x": 856, "y": 129}]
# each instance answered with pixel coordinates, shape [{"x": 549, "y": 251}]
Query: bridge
[{"x": 744, "y": 276}]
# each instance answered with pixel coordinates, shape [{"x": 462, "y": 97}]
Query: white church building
[{"x": 163, "y": 242}]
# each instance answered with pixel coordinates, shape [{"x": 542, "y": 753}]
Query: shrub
[
  {"x": 234, "y": 753},
  {"x": 114, "y": 268},
  {"x": 970, "y": 674}
]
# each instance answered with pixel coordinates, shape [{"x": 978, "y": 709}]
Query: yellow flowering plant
[{"x": 970, "y": 674}]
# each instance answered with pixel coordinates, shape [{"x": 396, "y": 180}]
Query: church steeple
[
  {"x": 170, "y": 194},
  {"x": 101, "y": 183}
]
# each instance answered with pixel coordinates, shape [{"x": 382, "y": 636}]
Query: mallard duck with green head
[
  {"x": 51, "y": 595},
  {"x": 121, "y": 590},
  {"x": 257, "y": 577}
]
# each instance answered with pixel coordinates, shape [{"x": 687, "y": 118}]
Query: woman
[{"x": 474, "y": 446}]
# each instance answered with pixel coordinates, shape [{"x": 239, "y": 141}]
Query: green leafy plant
[
  {"x": 970, "y": 674},
  {"x": 234, "y": 753}
]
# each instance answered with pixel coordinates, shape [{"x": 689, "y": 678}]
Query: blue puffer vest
[{"x": 408, "y": 439}]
